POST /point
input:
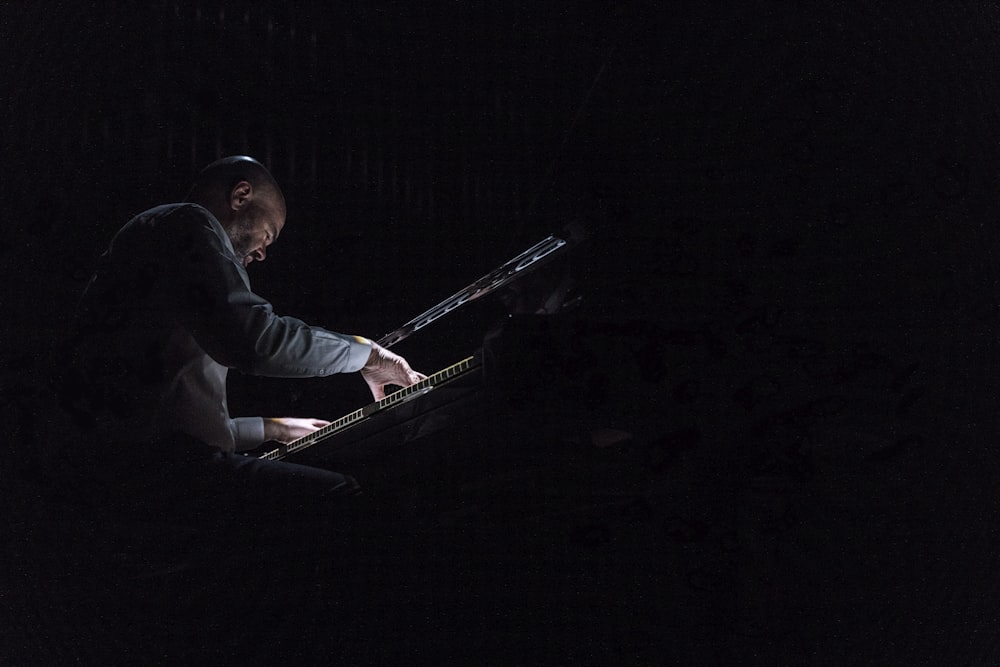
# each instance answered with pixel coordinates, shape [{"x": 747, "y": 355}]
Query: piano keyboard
[{"x": 392, "y": 400}]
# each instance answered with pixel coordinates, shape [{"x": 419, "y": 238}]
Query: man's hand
[
  {"x": 385, "y": 368},
  {"x": 287, "y": 429}
]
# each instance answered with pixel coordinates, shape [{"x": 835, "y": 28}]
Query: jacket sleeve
[
  {"x": 248, "y": 432},
  {"x": 238, "y": 328}
]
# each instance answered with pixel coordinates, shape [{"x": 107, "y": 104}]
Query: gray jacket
[{"x": 168, "y": 312}]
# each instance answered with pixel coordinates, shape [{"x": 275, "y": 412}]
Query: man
[{"x": 167, "y": 313}]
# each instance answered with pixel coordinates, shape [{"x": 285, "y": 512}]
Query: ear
[{"x": 240, "y": 196}]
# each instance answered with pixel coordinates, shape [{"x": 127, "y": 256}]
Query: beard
[{"x": 241, "y": 234}]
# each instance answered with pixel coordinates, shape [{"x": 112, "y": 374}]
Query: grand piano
[
  {"x": 412, "y": 412},
  {"x": 477, "y": 421}
]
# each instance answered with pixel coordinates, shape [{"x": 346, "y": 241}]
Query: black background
[{"x": 789, "y": 302}]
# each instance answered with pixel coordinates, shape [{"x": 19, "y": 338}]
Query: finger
[
  {"x": 378, "y": 391},
  {"x": 320, "y": 423}
]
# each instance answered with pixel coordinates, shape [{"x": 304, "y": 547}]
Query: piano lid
[{"x": 531, "y": 258}]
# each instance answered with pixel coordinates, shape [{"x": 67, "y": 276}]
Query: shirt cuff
[
  {"x": 361, "y": 349},
  {"x": 248, "y": 432}
]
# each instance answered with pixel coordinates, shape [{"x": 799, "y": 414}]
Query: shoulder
[
  {"x": 174, "y": 224},
  {"x": 174, "y": 216},
  {"x": 166, "y": 218}
]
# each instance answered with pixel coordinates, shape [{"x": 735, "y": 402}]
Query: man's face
[{"x": 255, "y": 229}]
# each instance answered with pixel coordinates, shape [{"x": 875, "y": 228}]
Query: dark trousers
[
  {"x": 185, "y": 479},
  {"x": 181, "y": 505}
]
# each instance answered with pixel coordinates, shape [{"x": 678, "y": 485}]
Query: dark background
[{"x": 788, "y": 308}]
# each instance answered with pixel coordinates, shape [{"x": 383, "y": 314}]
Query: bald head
[
  {"x": 247, "y": 202},
  {"x": 215, "y": 183}
]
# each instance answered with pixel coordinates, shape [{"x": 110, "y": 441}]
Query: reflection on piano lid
[{"x": 502, "y": 275}]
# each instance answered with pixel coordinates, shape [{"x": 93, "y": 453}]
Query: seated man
[{"x": 168, "y": 312}]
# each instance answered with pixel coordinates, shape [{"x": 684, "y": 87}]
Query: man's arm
[
  {"x": 238, "y": 328},
  {"x": 249, "y": 433}
]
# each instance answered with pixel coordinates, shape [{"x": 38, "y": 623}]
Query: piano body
[{"x": 490, "y": 417}]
